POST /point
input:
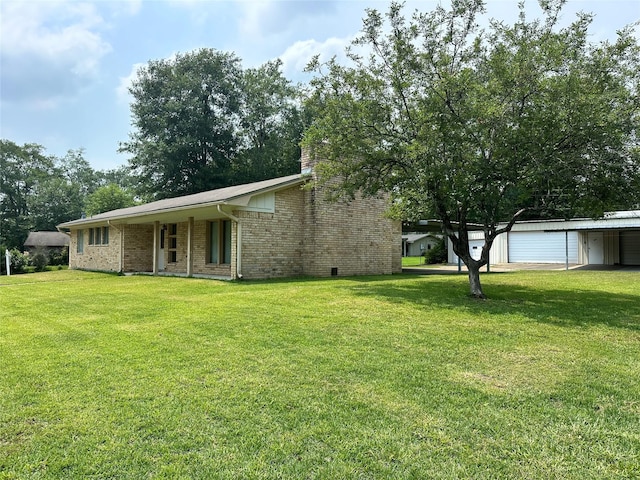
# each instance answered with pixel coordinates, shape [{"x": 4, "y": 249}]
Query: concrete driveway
[{"x": 515, "y": 267}]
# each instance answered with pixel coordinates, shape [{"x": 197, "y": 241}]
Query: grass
[
  {"x": 412, "y": 261},
  {"x": 382, "y": 377}
]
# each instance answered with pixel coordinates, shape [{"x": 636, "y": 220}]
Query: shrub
[
  {"x": 59, "y": 257},
  {"x": 39, "y": 260},
  {"x": 437, "y": 253},
  {"x": 18, "y": 261}
]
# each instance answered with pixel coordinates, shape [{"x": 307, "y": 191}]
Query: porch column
[
  {"x": 156, "y": 228},
  {"x": 190, "y": 247}
]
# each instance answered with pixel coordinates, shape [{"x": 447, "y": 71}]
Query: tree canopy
[
  {"x": 481, "y": 126},
  {"x": 39, "y": 191},
  {"x": 108, "y": 197},
  {"x": 202, "y": 122}
]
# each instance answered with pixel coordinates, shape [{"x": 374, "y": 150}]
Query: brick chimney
[{"x": 307, "y": 160}]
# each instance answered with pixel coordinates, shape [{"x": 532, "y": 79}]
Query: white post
[{"x": 7, "y": 256}]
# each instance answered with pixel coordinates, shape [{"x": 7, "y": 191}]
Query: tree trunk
[{"x": 474, "y": 280}]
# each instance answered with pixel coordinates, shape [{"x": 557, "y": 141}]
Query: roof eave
[{"x": 241, "y": 200}]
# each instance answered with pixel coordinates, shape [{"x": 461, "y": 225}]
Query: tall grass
[{"x": 382, "y": 377}]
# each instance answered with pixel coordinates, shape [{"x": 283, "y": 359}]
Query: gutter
[{"x": 238, "y": 239}]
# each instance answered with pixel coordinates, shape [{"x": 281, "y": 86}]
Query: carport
[{"x": 611, "y": 240}]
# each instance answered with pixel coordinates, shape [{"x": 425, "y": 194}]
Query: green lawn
[
  {"x": 412, "y": 261},
  {"x": 104, "y": 376}
]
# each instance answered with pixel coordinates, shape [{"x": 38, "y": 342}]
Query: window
[
  {"x": 220, "y": 241},
  {"x": 99, "y": 236},
  {"x": 80, "y": 243},
  {"x": 173, "y": 242}
]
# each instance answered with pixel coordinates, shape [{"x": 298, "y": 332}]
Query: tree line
[{"x": 38, "y": 191}]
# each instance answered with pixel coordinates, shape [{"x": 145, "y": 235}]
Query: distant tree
[
  {"x": 107, "y": 198},
  {"x": 22, "y": 170},
  {"x": 54, "y": 200},
  {"x": 186, "y": 114},
  {"x": 271, "y": 125},
  {"x": 121, "y": 176},
  {"x": 481, "y": 127},
  {"x": 39, "y": 191},
  {"x": 77, "y": 170}
]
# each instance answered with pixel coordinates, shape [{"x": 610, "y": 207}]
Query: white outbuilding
[{"x": 611, "y": 240}]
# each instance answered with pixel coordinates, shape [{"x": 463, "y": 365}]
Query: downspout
[{"x": 238, "y": 240}]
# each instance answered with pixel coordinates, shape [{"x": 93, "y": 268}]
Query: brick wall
[
  {"x": 273, "y": 243},
  {"x": 348, "y": 238},
  {"x": 95, "y": 257},
  {"x": 308, "y": 235},
  {"x": 138, "y": 248},
  {"x": 353, "y": 238}
]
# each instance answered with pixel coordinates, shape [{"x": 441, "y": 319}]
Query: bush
[
  {"x": 18, "y": 261},
  {"x": 39, "y": 260},
  {"x": 59, "y": 257},
  {"x": 437, "y": 253}
]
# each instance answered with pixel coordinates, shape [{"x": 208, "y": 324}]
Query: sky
[{"x": 65, "y": 65}]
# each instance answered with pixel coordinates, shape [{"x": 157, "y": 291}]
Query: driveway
[{"x": 514, "y": 267}]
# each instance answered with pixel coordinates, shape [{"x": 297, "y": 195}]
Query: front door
[{"x": 596, "y": 248}]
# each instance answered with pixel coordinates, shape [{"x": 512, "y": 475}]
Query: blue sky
[{"x": 65, "y": 65}]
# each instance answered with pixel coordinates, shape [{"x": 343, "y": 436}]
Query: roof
[
  {"x": 47, "y": 239},
  {"x": 238, "y": 195},
  {"x": 414, "y": 237},
  {"x": 610, "y": 220}
]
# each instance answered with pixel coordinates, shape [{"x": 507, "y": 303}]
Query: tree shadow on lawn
[{"x": 571, "y": 307}]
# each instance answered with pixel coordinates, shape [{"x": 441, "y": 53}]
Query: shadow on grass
[{"x": 573, "y": 307}]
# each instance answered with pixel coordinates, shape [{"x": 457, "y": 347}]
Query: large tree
[
  {"x": 202, "y": 122},
  {"x": 481, "y": 126},
  {"x": 185, "y": 113},
  {"x": 271, "y": 125}
]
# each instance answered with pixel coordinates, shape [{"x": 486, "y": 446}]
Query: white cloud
[
  {"x": 268, "y": 17},
  {"x": 125, "y": 7},
  {"x": 50, "y": 50},
  {"x": 297, "y": 56},
  {"x": 122, "y": 91}
]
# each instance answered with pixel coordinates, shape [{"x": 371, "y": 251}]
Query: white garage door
[
  {"x": 542, "y": 247},
  {"x": 630, "y": 247}
]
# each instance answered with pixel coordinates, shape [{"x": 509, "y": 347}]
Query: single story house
[
  {"x": 611, "y": 240},
  {"x": 49, "y": 241},
  {"x": 415, "y": 244},
  {"x": 267, "y": 229}
]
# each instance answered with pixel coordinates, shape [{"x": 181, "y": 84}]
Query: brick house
[{"x": 273, "y": 228}]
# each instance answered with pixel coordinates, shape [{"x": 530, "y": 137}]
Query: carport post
[
  {"x": 566, "y": 249},
  {"x": 7, "y": 257}
]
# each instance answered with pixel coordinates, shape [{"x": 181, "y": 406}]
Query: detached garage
[
  {"x": 543, "y": 247},
  {"x": 611, "y": 240}
]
